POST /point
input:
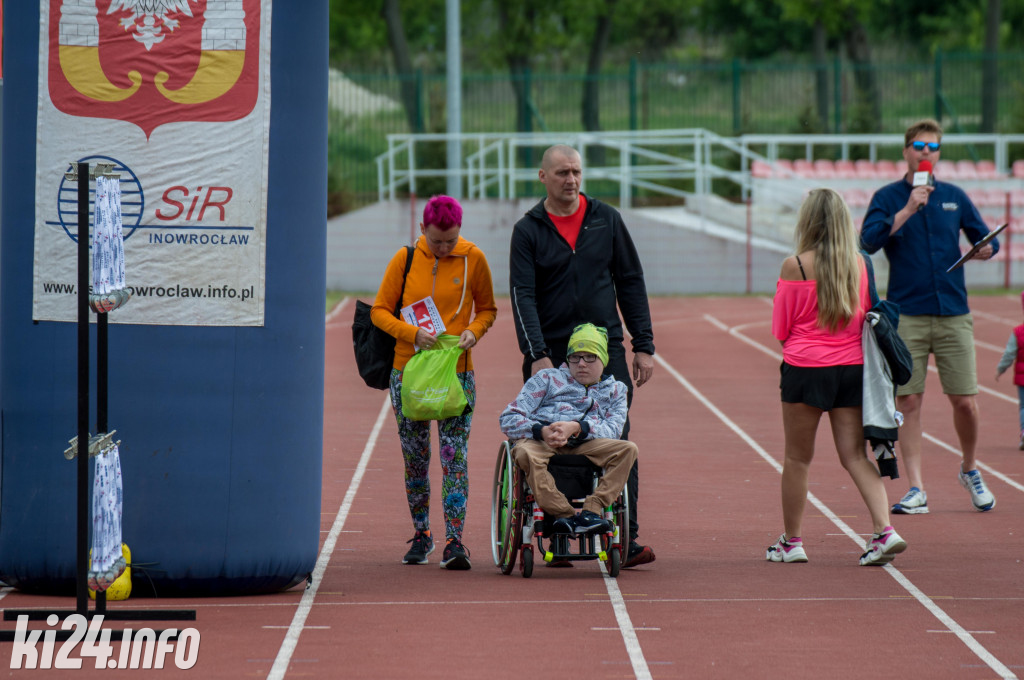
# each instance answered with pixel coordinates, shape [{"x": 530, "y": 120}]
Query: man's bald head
[
  {"x": 558, "y": 151},
  {"x": 561, "y": 173}
]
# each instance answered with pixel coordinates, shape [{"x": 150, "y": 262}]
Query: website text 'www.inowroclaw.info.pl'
[
  {"x": 142, "y": 649},
  {"x": 208, "y": 291}
]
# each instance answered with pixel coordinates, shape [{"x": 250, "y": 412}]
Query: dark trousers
[{"x": 618, "y": 367}]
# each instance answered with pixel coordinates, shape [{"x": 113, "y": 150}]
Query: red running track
[{"x": 710, "y": 437}]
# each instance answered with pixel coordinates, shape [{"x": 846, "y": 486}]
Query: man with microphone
[{"x": 917, "y": 220}]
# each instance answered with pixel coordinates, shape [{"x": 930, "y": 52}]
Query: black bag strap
[
  {"x": 871, "y": 279},
  {"x": 408, "y": 265}
]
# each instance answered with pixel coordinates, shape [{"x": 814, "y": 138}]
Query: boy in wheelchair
[{"x": 573, "y": 410}]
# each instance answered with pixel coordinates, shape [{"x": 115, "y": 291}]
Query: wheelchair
[{"x": 517, "y": 521}]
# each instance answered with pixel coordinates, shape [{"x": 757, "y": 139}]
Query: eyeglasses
[
  {"x": 919, "y": 146},
  {"x": 586, "y": 358}
]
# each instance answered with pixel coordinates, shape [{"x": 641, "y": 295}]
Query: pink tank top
[{"x": 795, "y": 324}]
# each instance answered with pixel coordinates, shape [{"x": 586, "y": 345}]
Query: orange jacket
[{"x": 457, "y": 282}]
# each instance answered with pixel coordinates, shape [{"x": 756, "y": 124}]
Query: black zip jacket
[{"x": 554, "y": 288}]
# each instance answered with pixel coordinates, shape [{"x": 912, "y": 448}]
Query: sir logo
[{"x": 151, "y": 62}]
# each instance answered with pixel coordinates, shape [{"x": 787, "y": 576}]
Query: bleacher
[{"x": 998, "y": 196}]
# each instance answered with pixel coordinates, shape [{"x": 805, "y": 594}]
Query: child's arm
[{"x": 1009, "y": 355}]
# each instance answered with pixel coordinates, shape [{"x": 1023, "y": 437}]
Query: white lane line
[
  {"x": 988, "y": 345},
  {"x": 291, "y": 638},
  {"x": 628, "y": 632},
  {"x": 987, "y": 657},
  {"x": 336, "y": 311},
  {"x": 987, "y": 468},
  {"x": 994, "y": 317}
]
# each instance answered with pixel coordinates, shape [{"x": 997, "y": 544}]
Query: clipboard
[{"x": 978, "y": 246}]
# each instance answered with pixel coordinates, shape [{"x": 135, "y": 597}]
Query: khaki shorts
[{"x": 951, "y": 340}]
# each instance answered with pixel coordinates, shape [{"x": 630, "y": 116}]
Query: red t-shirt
[{"x": 569, "y": 226}]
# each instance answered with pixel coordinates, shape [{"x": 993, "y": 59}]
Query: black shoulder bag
[{"x": 375, "y": 349}]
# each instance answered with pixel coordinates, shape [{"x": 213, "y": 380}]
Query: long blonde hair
[{"x": 825, "y": 226}]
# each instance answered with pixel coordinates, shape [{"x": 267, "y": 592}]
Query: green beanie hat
[{"x": 589, "y": 338}]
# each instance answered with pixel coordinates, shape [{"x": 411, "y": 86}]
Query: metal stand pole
[{"x": 82, "y": 464}]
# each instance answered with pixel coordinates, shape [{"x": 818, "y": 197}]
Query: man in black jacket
[{"x": 571, "y": 261}]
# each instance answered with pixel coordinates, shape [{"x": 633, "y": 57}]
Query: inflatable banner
[{"x": 176, "y": 94}]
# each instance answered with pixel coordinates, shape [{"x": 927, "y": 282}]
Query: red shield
[{"x": 152, "y": 63}]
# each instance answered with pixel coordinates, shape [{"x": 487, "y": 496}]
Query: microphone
[{"x": 923, "y": 177}]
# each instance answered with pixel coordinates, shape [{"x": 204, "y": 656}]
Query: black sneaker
[
  {"x": 638, "y": 554},
  {"x": 564, "y": 525},
  {"x": 422, "y": 545},
  {"x": 588, "y": 522},
  {"x": 455, "y": 556}
]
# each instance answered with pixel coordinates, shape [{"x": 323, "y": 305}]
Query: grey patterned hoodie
[{"x": 553, "y": 395}]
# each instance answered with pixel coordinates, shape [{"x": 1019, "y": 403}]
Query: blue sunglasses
[{"x": 919, "y": 146}]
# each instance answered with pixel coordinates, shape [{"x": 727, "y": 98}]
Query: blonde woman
[{"x": 818, "y": 315}]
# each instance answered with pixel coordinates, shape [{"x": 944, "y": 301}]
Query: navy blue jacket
[{"x": 924, "y": 247}]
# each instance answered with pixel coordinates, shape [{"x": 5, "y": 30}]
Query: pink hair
[{"x": 444, "y": 212}]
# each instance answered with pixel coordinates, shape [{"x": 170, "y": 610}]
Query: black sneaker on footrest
[
  {"x": 588, "y": 522},
  {"x": 564, "y": 525}
]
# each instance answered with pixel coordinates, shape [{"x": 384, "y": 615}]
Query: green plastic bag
[{"x": 430, "y": 387}]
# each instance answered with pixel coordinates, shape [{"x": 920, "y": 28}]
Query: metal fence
[{"x": 730, "y": 98}]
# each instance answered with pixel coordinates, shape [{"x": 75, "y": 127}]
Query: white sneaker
[
  {"x": 786, "y": 551},
  {"x": 981, "y": 497},
  {"x": 915, "y": 502},
  {"x": 882, "y": 548}
]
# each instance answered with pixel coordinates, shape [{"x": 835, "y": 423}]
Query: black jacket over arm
[{"x": 554, "y": 288}]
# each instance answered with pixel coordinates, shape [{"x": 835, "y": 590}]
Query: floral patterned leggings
[{"x": 453, "y": 434}]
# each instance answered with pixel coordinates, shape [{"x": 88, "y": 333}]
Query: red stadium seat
[
  {"x": 1018, "y": 168},
  {"x": 845, "y": 169},
  {"x": 803, "y": 168},
  {"x": 824, "y": 169},
  {"x": 866, "y": 169},
  {"x": 783, "y": 168},
  {"x": 979, "y": 197},
  {"x": 886, "y": 170},
  {"x": 986, "y": 170},
  {"x": 994, "y": 198},
  {"x": 946, "y": 170},
  {"x": 760, "y": 169},
  {"x": 966, "y": 170},
  {"x": 1017, "y": 198}
]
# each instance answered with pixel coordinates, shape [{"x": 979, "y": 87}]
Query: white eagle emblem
[{"x": 154, "y": 16}]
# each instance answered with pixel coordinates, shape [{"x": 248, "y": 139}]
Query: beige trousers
[{"x": 616, "y": 456}]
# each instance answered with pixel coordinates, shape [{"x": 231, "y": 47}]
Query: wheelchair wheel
[
  {"x": 618, "y": 545},
  {"x": 506, "y": 510},
  {"x": 614, "y": 561},
  {"x": 622, "y": 522},
  {"x": 526, "y": 563}
]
